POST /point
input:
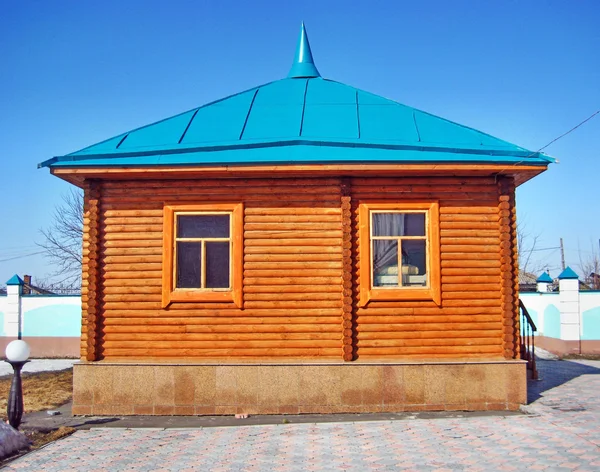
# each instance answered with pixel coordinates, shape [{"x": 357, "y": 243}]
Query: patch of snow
[{"x": 11, "y": 440}]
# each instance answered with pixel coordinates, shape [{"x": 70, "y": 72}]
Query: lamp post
[{"x": 17, "y": 353}]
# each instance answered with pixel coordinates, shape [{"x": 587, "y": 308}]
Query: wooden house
[{"x": 300, "y": 247}]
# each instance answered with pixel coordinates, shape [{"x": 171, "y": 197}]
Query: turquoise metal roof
[
  {"x": 544, "y": 278},
  {"x": 568, "y": 273},
  {"x": 15, "y": 280},
  {"x": 316, "y": 120}
]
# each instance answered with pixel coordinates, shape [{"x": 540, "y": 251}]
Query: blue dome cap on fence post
[{"x": 304, "y": 64}]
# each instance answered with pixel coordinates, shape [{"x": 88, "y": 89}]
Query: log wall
[
  {"x": 469, "y": 322},
  {"x": 301, "y": 269},
  {"x": 292, "y": 272}
]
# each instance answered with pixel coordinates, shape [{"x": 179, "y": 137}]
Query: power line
[
  {"x": 22, "y": 256},
  {"x": 564, "y": 134}
]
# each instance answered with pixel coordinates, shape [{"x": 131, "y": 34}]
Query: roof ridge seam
[
  {"x": 248, "y": 114},
  {"x": 188, "y": 126},
  {"x": 303, "y": 108},
  {"x": 416, "y": 125},
  {"x": 357, "y": 115}
]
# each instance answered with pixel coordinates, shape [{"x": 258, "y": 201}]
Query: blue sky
[{"x": 74, "y": 73}]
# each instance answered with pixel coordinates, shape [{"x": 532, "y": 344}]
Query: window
[
  {"x": 401, "y": 248},
  {"x": 202, "y": 253}
]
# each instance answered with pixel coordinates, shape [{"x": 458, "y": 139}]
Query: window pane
[
  {"x": 398, "y": 224},
  {"x": 414, "y": 263},
  {"x": 385, "y": 263},
  {"x": 188, "y": 265},
  {"x": 217, "y": 264},
  {"x": 202, "y": 226}
]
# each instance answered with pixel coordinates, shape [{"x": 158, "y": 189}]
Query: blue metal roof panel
[
  {"x": 220, "y": 122},
  {"x": 166, "y": 133},
  {"x": 384, "y": 120},
  {"x": 276, "y": 111},
  {"x": 544, "y": 278},
  {"x": 15, "y": 280}
]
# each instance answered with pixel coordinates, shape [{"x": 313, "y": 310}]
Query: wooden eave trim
[{"x": 76, "y": 176}]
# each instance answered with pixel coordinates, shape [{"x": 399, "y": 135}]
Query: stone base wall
[
  {"x": 201, "y": 389},
  {"x": 562, "y": 348},
  {"x": 48, "y": 346}
]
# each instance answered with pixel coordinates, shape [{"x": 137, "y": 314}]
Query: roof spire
[{"x": 304, "y": 65}]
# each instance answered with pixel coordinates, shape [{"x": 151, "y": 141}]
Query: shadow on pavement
[{"x": 553, "y": 373}]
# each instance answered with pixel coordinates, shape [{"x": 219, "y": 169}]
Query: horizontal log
[
  {"x": 121, "y": 289},
  {"x": 230, "y": 339},
  {"x": 277, "y": 289},
  {"x": 232, "y": 344},
  {"x": 467, "y": 287},
  {"x": 470, "y": 263},
  {"x": 330, "y": 281},
  {"x": 195, "y": 353},
  {"x": 278, "y": 214},
  {"x": 295, "y": 304},
  {"x": 415, "y": 180},
  {"x": 469, "y": 279},
  {"x": 460, "y": 217},
  {"x": 471, "y": 248},
  {"x": 133, "y": 213},
  {"x": 313, "y": 296},
  {"x": 295, "y": 257},
  {"x": 199, "y": 182},
  {"x": 428, "y": 342},
  {"x": 287, "y": 249},
  {"x": 293, "y": 265},
  {"x": 296, "y": 242},
  {"x": 464, "y": 256},
  {"x": 110, "y": 274},
  {"x": 224, "y": 329},
  {"x": 192, "y": 323},
  {"x": 134, "y": 244},
  {"x": 223, "y": 312},
  {"x": 131, "y": 267},
  {"x": 132, "y": 221},
  {"x": 468, "y": 233},
  {"x": 296, "y": 272},
  {"x": 471, "y": 271},
  {"x": 134, "y": 297},
  {"x": 429, "y": 351},
  {"x": 427, "y": 328},
  {"x": 332, "y": 236},
  {"x": 133, "y": 227},
  {"x": 136, "y": 282},
  {"x": 250, "y": 227},
  {"x": 477, "y": 241}
]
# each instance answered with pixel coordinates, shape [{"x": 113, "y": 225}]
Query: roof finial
[{"x": 304, "y": 65}]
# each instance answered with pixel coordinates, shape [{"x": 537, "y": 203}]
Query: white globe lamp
[{"x": 17, "y": 351}]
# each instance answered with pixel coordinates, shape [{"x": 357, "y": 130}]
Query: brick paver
[{"x": 562, "y": 432}]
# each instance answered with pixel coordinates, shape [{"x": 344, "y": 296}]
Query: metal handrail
[{"x": 528, "y": 329}]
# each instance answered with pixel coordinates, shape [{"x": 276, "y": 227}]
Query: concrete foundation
[{"x": 110, "y": 388}]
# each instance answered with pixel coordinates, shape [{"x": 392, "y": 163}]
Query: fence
[{"x": 51, "y": 324}]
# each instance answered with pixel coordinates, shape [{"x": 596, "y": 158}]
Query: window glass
[
  {"x": 398, "y": 224},
  {"x": 188, "y": 264},
  {"x": 217, "y": 264},
  {"x": 385, "y": 262},
  {"x": 202, "y": 226},
  {"x": 414, "y": 262}
]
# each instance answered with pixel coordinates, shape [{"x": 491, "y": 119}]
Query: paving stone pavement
[{"x": 561, "y": 432}]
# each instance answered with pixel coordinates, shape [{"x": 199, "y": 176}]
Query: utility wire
[
  {"x": 564, "y": 134},
  {"x": 22, "y": 256}
]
